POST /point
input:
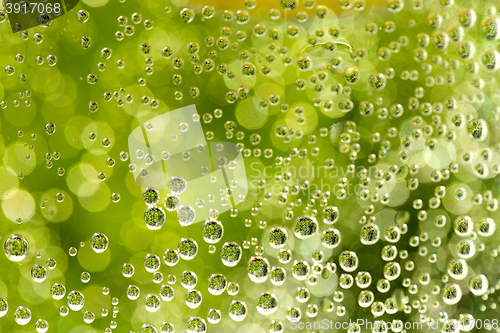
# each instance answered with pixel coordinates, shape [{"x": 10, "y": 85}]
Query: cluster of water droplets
[
  {"x": 397, "y": 130},
  {"x": 155, "y": 216}
]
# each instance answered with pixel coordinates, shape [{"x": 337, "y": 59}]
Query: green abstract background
[{"x": 365, "y": 126}]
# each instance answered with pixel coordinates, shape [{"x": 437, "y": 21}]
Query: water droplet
[
  {"x": 348, "y": 261},
  {"x": 152, "y": 303},
  {"x": 230, "y": 254},
  {"x": 82, "y": 16},
  {"x": 237, "y": 310},
  {"x": 22, "y": 315},
  {"x": 258, "y": 269},
  {"x": 187, "y": 15},
  {"x": 154, "y": 217},
  {"x": 177, "y": 185},
  {"x": 186, "y": 215},
  {"x": 152, "y": 263},
  {"x": 196, "y": 325},
  {"x": 4, "y": 307},
  {"x": 50, "y": 128},
  {"x": 267, "y": 303},
  {"x": 39, "y": 273},
  {"x": 76, "y": 300},
  {"x": 212, "y": 231},
  {"x": 305, "y": 227},
  {"x": 99, "y": 242},
  {"x": 188, "y": 248},
  {"x": 16, "y": 247}
]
